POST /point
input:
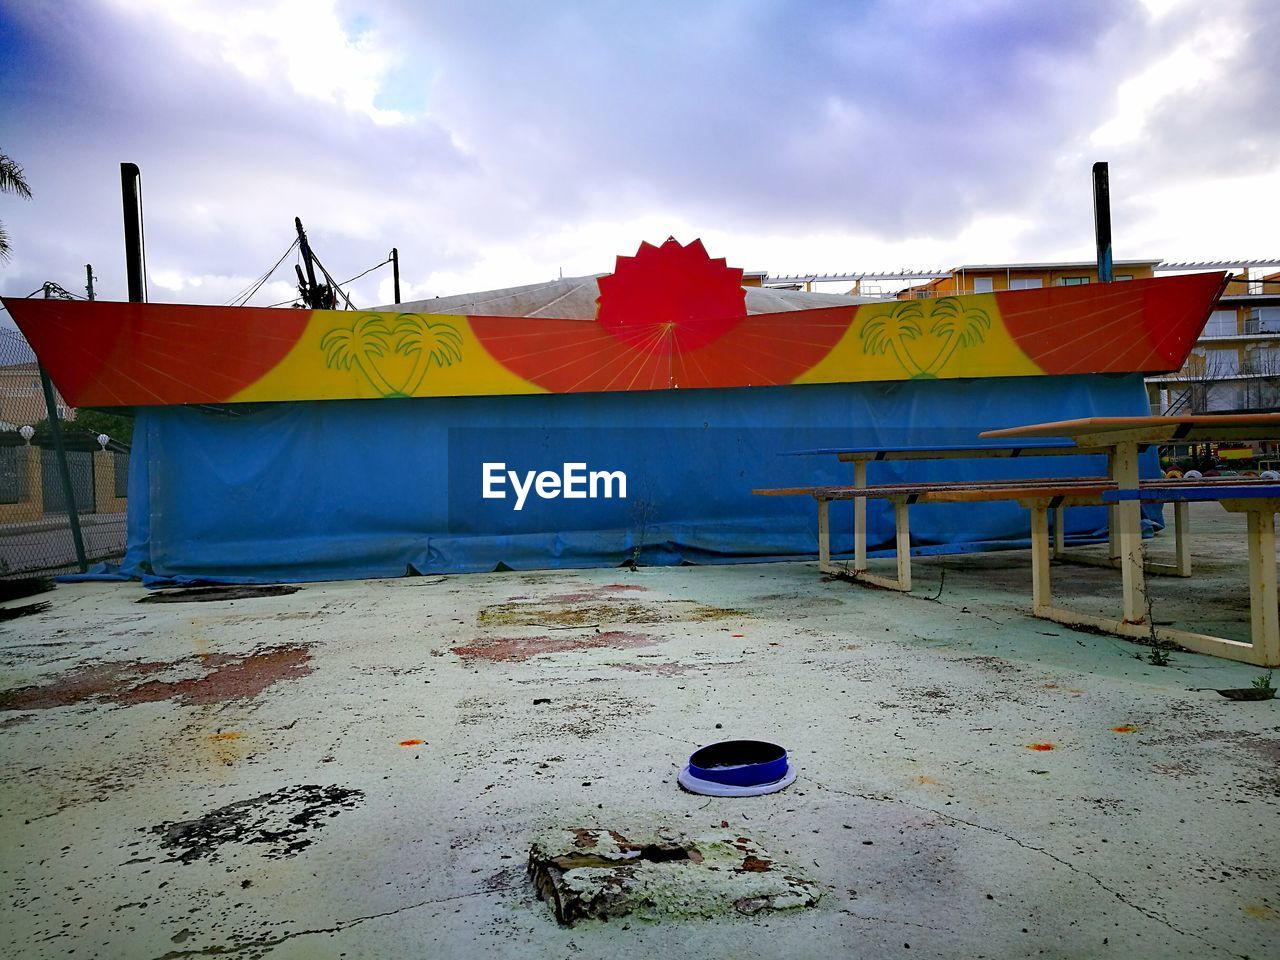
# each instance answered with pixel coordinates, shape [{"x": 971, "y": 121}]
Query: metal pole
[
  {"x": 395, "y": 271},
  {"x": 130, "y": 177},
  {"x": 313, "y": 295},
  {"x": 60, "y": 454},
  {"x": 88, "y": 280},
  {"x": 1102, "y": 219}
]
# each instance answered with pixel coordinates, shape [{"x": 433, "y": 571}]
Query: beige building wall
[
  {"x": 22, "y": 397},
  {"x": 104, "y": 484}
]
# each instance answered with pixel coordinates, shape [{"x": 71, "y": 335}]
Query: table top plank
[
  {"x": 1179, "y": 429},
  {"x": 1196, "y": 492},
  {"x": 953, "y": 490},
  {"x": 1063, "y": 447}
]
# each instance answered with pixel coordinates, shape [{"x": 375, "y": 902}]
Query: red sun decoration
[
  {"x": 671, "y": 299},
  {"x": 668, "y": 317}
]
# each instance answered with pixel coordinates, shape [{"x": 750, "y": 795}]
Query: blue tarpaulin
[{"x": 348, "y": 489}]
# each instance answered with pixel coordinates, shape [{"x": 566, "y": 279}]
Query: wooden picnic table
[{"x": 1123, "y": 436}]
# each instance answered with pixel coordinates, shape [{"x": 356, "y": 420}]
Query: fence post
[{"x": 60, "y": 453}]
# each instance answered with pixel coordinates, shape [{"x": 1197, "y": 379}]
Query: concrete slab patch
[{"x": 602, "y": 874}]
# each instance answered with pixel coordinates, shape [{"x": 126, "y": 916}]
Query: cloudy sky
[{"x": 497, "y": 143}]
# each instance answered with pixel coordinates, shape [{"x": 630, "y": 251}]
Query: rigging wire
[
  {"x": 332, "y": 283},
  {"x": 248, "y": 296},
  {"x": 328, "y": 276},
  {"x": 370, "y": 270},
  {"x": 243, "y": 297}
]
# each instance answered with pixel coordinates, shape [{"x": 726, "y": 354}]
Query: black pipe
[
  {"x": 395, "y": 271},
  {"x": 1102, "y": 219},
  {"x": 130, "y": 180}
]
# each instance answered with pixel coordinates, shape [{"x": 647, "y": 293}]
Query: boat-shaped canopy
[{"x": 668, "y": 318}]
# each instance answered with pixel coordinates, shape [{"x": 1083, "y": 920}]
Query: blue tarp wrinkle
[{"x": 350, "y": 489}]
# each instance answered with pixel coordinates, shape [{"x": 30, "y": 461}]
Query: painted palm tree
[
  {"x": 12, "y": 180},
  {"x": 357, "y": 346},
  {"x": 437, "y": 341},
  {"x": 890, "y": 331},
  {"x": 961, "y": 326}
]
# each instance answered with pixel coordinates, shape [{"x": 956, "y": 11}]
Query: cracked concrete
[{"x": 973, "y": 782}]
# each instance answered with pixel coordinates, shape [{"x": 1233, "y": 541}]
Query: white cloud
[
  {"x": 302, "y": 43},
  {"x": 497, "y": 150},
  {"x": 1194, "y": 64},
  {"x": 1223, "y": 218}
]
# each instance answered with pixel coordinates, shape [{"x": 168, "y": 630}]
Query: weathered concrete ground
[{"x": 358, "y": 769}]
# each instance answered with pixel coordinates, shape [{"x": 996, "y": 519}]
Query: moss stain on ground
[{"x": 521, "y": 614}]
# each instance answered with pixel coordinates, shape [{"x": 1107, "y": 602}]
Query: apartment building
[{"x": 1235, "y": 364}]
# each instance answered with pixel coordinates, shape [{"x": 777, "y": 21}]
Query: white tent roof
[{"x": 575, "y": 298}]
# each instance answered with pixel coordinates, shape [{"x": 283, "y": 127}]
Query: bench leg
[
  {"x": 903, "y": 527},
  {"x": 1113, "y": 542},
  {"x": 1041, "y": 586},
  {"x": 1128, "y": 515},
  {"x": 1182, "y": 538},
  {"x": 824, "y": 536},
  {"x": 1262, "y": 587},
  {"x": 859, "y": 518}
]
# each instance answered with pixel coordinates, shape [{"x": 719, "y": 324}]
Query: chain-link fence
[{"x": 36, "y": 517}]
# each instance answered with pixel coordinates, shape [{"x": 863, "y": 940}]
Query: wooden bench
[
  {"x": 862, "y": 456},
  {"x": 1052, "y": 493}
]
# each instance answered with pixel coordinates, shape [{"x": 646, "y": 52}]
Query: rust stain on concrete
[
  {"x": 659, "y": 669},
  {"x": 597, "y": 593},
  {"x": 226, "y": 677},
  {"x": 507, "y": 649}
]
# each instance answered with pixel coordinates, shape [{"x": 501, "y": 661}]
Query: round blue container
[{"x": 739, "y": 763}]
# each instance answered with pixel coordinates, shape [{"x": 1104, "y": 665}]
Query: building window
[
  {"x": 1074, "y": 281},
  {"x": 1124, "y": 276},
  {"x": 1264, "y": 361},
  {"x": 1268, "y": 320},
  {"x": 1222, "y": 363},
  {"x": 1222, "y": 323},
  {"x": 983, "y": 284},
  {"x": 1026, "y": 283}
]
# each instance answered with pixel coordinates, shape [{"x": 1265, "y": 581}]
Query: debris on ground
[
  {"x": 600, "y": 874},
  {"x": 219, "y": 592}
]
